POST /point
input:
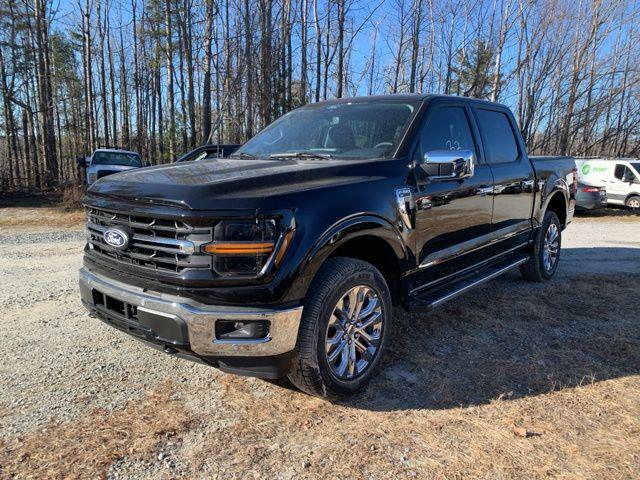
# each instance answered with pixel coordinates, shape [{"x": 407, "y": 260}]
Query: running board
[{"x": 432, "y": 299}]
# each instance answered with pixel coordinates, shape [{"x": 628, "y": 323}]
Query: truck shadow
[{"x": 511, "y": 339}]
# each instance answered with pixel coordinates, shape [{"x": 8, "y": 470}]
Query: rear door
[
  {"x": 513, "y": 174},
  {"x": 452, "y": 216}
]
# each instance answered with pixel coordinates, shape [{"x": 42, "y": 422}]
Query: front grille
[
  {"x": 104, "y": 173},
  {"x": 170, "y": 246}
]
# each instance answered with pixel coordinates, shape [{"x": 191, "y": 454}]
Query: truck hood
[
  {"x": 113, "y": 168},
  {"x": 229, "y": 183}
]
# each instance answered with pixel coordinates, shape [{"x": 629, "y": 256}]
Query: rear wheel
[
  {"x": 543, "y": 263},
  {"x": 633, "y": 204},
  {"x": 344, "y": 329}
]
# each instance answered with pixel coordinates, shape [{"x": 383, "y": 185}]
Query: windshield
[
  {"x": 636, "y": 167},
  {"x": 343, "y": 130},
  {"x": 116, "y": 158}
]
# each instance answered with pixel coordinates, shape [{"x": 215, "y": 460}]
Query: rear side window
[
  {"x": 497, "y": 136},
  {"x": 620, "y": 169},
  {"x": 447, "y": 129}
]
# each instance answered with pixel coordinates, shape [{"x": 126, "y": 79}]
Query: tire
[
  {"x": 538, "y": 268},
  {"x": 340, "y": 281},
  {"x": 633, "y": 204}
]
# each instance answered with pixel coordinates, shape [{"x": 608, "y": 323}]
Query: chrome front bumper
[{"x": 200, "y": 318}]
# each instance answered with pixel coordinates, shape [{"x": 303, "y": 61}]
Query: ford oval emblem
[{"x": 116, "y": 238}]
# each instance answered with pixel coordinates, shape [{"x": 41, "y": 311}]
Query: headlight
[{"x": 246, "y": 247}]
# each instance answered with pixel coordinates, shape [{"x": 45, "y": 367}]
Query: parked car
[
  {"x": 207, "y": 152},
  {"x": 285, "y": 259},
  {"x": 620, "y": 177},
  {"x": 107, "y": 161},
  {"x": 589, "y": 197}
]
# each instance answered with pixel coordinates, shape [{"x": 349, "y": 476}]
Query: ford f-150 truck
[{"x": 286, "y": 258}]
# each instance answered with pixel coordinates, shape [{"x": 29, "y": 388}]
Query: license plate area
[{"x": 114, "y": 306}]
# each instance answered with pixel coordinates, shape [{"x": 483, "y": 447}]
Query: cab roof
[
  {"x": 408, "y": 97},
  {"x": 115, "y": 150}
]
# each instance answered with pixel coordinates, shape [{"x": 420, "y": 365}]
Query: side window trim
[
  {"x": 432, "y": 109},
  {"x": 490, "y": 108},
  {"x": 477, "y": 137}
]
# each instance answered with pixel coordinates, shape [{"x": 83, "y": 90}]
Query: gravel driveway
[{"x": 58, "y": 364}]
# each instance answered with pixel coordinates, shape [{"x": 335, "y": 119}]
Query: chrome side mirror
[{"x": 447, "y": 164}]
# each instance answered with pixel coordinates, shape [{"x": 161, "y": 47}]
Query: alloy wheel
[
  {"x": 354, "y": 332},
  {"x": 551, "y": 247}
]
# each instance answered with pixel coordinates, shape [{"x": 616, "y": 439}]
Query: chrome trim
[
  {"x": 404, "y": 204},
  {"x": 473, "y": 245},
  {"x": 200, "y": 319},
  {"x": 463, "y": 159},
  {"x": 185, "y": 247},
  {"x": 477, "y": 282},
  {"x": 485, "y": 190},
  {"x": 469, "y": 268}
]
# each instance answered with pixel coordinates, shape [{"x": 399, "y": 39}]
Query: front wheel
[
  {"x": 633, "y": 204},
  {"x": 344, "y": 329},
  {"x": 543, "y": 262}
]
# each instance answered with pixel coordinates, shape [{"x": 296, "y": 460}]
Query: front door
[
  {"x": 624, "y": 182},
  {"x": 453, "y": 216}
]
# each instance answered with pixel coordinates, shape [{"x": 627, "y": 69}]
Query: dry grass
[
  {"x": 514, "y": 380},
  {"x": 561, "y": 362},
  {"x": 87, "y": 447},
  {"x": 43, "y": 218},
  {"x": 43, "y": 212}
]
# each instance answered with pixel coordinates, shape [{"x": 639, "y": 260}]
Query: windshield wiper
[
  {"x": 242, "y": 155},
  {"x": 322, "y": 156}
]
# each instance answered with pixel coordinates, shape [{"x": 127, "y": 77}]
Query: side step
[{"x": 434, "y": 298}]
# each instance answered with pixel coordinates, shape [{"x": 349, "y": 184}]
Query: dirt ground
[{"x": 513, "y": 380}]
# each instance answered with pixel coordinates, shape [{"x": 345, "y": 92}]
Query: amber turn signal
[
  {"x": 283, "y": 248},
  {"x": 239, "y": 248}
]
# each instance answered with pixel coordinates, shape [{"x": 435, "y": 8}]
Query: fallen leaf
[{"x": 519, "y": 431}]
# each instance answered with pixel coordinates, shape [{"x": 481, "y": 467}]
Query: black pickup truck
[{"x": 286, "y": 258}]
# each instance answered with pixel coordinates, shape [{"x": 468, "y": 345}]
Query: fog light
[{"x": 242, "y": 330}]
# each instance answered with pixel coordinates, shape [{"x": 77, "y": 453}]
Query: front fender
[{"x": 338, "y": 235}]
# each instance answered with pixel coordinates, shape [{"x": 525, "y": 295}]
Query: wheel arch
[
  {"x": 557, "y": 203},
  {"x": 632, "y": 194},
  {"x": 369, "y": 238},
  {"x": 555, "y": 197}
]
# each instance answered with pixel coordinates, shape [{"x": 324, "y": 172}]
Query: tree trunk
[
  {"x": 415, "y": 43},
  {"x": 316, "y": 22},
  {"x": 103, "y": 78},
  {"x": 171, "y": 133},
  {"x": 340, "y": 75},
  {"x": 45, "y": 96},
  {"x": 206, "y": 81}
]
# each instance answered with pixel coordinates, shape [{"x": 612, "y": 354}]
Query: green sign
[{"x": 586, "y": 168}]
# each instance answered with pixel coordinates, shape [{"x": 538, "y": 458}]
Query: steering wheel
[{"x": 384, "y": 144}]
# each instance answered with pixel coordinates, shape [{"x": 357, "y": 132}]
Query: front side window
[
  {"x": 447, "y": 129},
  {"x": 355, "y": 130},
  {"x": 497, "y": 136},
  {"x": 116, "y": 158},
  {"x": 626, "y": 174}
]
